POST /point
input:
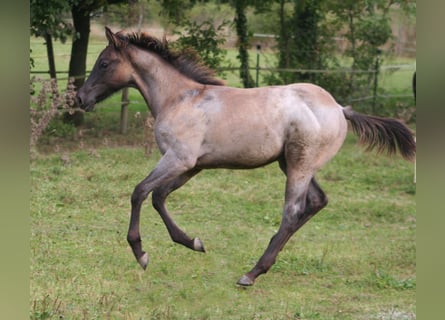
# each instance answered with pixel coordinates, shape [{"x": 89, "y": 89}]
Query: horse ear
[{"x": 113, "y": 39}]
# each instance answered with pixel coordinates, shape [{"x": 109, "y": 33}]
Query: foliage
[
  {"x": 305, "y": 42},
  {"x": 366, "y": 26},
  {"x": 304, "y": 49},
  {"x": 243, "y": 42},
  {"x": 47, "y": 17},
  {"x": 205, "y": 38},
  {"x": 46, "y": 105},
  {"x": 175, "y": 9},
  {"x": 128, "y": 13},
  {"x": 31, "y": 60}
]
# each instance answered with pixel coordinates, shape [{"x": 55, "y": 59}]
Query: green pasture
[{"x": 354, "y": 260}]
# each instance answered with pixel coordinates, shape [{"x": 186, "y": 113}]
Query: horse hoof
[
  {"x": 143, "y": 261},
  {"x": 198, "y": 245},
  {"x": 245, "y": 281}
]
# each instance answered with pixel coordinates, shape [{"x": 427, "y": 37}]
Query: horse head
[{"x": 110, "y": 73}]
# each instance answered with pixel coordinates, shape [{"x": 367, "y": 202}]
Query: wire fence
[{"x": 385, "y": 71}]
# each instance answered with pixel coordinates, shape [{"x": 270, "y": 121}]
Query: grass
[{"x": 354, "y": 260}]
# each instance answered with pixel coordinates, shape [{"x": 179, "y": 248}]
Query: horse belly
[{"x": 239, "y": 150}]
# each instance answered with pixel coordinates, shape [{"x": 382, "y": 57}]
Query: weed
[
  {"x": 48, "y": 103},
  {"x": 383, "y": 280},
  {"x": 46, "y": 309}
]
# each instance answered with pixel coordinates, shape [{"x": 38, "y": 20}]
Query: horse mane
[{"x": 185, "y": 61}]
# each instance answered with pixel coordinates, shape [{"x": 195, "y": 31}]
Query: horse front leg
[
  {"x": 301, "y": 205},
  {"x": 168, "y": 168},
  {"x": 159, "y": 196}
]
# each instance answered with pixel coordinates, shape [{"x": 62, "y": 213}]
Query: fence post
[
  {"x": 258, "y": 49},
  {"x": 124, "y": 111}
]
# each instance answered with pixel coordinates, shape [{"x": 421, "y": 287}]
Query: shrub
[{"x": 47, "y": 104}]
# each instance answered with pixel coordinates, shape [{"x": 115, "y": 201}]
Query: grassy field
[{"x": 354, "y": 260}]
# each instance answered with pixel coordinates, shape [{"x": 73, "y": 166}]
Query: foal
[{"x": 202, "y": 124}]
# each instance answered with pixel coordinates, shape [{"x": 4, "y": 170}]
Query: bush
[
  {"x": 47, "y": 105},
  {"x": 205, "y": 38}
]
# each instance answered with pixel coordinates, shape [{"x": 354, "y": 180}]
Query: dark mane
[{"x": 187, "y": 61}]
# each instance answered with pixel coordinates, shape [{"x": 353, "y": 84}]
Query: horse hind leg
[
  {"x": 300, "y": 207},
  {"x": 159, "y": 196}
]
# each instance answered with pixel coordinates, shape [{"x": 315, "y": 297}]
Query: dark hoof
[{"x": 245, "y": 281}]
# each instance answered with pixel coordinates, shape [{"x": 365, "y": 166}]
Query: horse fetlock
[{"x": 133, "y": 238}]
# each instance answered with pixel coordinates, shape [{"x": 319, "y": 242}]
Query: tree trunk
[
  {"x": 50, "y": 53},
  {"x": 77, "y": 67},
  {"x": 305, "y": 24},
  {"x": 243, "y": 43},
  {"x": 283, "y": 44}
]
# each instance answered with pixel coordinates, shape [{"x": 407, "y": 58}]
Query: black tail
[{"x": 385, "y": 134}]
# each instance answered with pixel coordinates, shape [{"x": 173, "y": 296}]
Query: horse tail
[{"x": 385, "y": 134}]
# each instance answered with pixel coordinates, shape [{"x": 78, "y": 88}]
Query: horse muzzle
[{"x": 83, "y": 102}]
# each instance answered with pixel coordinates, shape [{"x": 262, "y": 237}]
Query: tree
[
  {"x": 175, "y": 9},
  {"x": 205, "y": 39},
  {"x": 47, "y": 21},
  {"x": 243, "y": 42},
  {"x": 305, "y": 41},
  {"x": 305, "y": 24},
  {"x": 366, "y": 25},
  {"x": 243, "y": 34},
  {"x": 81, "y": 11},
  {"x": 283, "y": 44},
  {"x": 300, "y": 39}
]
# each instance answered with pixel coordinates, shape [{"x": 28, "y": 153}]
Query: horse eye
[{"x": 103, "y": 64}]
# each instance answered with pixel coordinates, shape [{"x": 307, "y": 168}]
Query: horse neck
[{"x": 158, "y": 81}]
